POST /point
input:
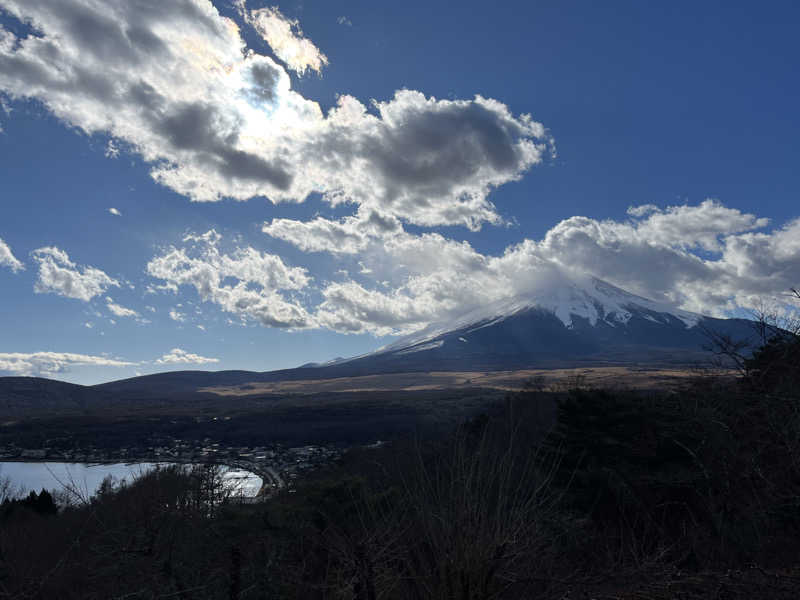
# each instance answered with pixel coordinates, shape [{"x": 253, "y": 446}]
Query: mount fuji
[
  {"x": 577, "y": 322},
  {"x": 573, "y": 323}
]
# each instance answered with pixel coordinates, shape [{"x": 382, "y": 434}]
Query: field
[{"x": 632, "y": 378}]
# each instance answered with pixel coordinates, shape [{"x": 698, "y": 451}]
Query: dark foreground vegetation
[{"x": 693, "y": 494}]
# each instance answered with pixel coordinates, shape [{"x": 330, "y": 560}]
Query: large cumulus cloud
[
  {"x": 707, "y": 258},
  {"x": 174, "y": 82}
]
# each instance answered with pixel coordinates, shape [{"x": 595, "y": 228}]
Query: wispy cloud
[
  {"x": 120, "y": 311},
  {"x": 112, "y": 151},
  {"x": 49, "y": 364},
  {"x": 53, "y": 363}
]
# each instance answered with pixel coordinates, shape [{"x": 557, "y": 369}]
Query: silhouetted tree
[{"x": 771, "y": 360}]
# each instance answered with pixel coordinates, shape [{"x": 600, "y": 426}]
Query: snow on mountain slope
[
  {"x": 591, "y": 299},
  {"x": 567, "y": 323}
]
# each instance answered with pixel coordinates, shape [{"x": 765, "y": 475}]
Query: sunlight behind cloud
[
  {"x": 175, "y": 84},
  {"x": 215, "y": 120}
]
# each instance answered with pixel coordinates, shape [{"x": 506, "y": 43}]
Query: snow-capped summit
[
  {"x": 589, "y": 300},
  {"x": 565, "y": 323},
  {"x": 569, "y": 321}
]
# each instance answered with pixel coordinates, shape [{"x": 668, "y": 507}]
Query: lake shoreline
[{"x": 33, "y": 475}]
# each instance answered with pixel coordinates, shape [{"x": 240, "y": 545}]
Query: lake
[{"x": 33, "y": 476}]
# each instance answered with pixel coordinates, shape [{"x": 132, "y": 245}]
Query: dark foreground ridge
[{"x": 574, "y": 493}]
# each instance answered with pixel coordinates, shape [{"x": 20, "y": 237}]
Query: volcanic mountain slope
[
  {"x": 576, "y": 323},
  {"x": 573, "y": 324}
]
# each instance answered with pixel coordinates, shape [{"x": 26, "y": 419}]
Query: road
[{"x": 272, "y": 481}]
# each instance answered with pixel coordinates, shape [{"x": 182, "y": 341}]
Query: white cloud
[
  {"x": 231, "y": 126},
  {"x": 286, "y": 39},
  {"x": 643, "y": 210},
  {"x": 433, "y": 278},
  {"x": 653, "y": 255},
  {"x": 688, "y": 226},
  {"x": 350, "y": 235},
  {"x": 177, "y": 316},
  {"x": 344, "y": 21},
  {"x": 120, "y": 311},
  {"x": 245, "y": 282},
  {"x": 414, "y": 280},
  {"x": 706, "y": 258},
  {"x": 351, "y": 308},
  {"x": 115, "y": 212},
  {"x": 59, "y": 275},
  {"x": 7, "y": 258},
  {"x": 111, "y": 152},
  {"x": 177, "y": 356},
  {"x": 52, "y": 363},
  {"x": 425, "y": 161}
]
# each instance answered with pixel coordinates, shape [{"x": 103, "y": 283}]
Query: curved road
[{"x": 270, "y": 478}]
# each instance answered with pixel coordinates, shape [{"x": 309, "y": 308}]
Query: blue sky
[{"x": 269, "y": 213}]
